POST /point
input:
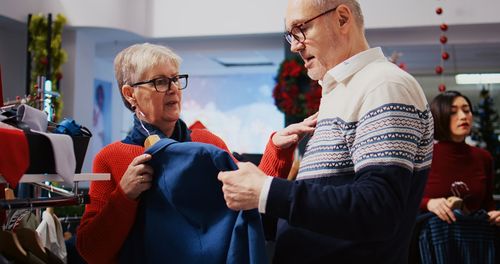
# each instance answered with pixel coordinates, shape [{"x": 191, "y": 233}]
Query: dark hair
[{"x": 441, "y": 112}]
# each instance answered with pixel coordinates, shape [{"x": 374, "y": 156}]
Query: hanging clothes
[
  {"x": 51, "y": 234},
  {"x": 15, "y": 155},
  {"x": 184, "y": 217},
  {"x": 471, "y": 239}
]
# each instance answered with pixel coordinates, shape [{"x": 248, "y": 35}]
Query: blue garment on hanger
[
  {"x": 183, "y": 218},
  {"x": 471, "y": 239}
]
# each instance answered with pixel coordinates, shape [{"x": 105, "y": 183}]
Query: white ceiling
[{"x": 472, "y": 48}]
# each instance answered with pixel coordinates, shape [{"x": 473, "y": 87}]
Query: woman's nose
[{"x": 462, "y": 114}]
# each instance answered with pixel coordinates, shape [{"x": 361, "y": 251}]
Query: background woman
[{"x": 455, "y": 161}]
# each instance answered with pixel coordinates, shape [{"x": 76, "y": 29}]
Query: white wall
[
  {"x": 128, "y": 15},
  {"x": 169, "y": 18},
  {"x": 13, "y": 62},
  {"x": 414, "y": 13}
]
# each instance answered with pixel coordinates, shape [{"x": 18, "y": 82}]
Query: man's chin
[{"x": 315, "y": 74}]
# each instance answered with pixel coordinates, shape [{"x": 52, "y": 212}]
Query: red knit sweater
[
  {"x": 460, "y": 162},
  {"x": 110, "y": 215}
]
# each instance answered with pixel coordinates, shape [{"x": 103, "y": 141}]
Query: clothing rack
[
  {"x": 70, "y": 219},
  {"x": 45, "y": 202},
  {"x": 57, "y": 190},
  {"x": 67, "y": 199}
]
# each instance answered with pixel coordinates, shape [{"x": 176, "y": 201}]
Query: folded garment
[
  {"x": 64, "y": 156},
  {"x": 36, "y": 119}
]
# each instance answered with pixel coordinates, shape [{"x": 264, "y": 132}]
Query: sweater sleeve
[
  {"x": 109, "y": 216},
  {"x": 389, "y": 146},
  {"x": 275, "y": 161}
]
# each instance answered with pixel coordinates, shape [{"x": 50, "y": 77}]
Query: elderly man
[{"x": 361, "y": 179}]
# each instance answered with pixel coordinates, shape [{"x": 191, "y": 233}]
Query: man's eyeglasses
[
  {"x": 297, "y": 33},
  {"x": 163, "y": 84}
]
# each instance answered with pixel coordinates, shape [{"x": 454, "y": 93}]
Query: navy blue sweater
[{"x": 183, "y": 218}]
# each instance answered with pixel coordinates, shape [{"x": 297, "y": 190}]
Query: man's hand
[
  {"x": 295, "y": 132},
  {"x": 242, "y": 187}
]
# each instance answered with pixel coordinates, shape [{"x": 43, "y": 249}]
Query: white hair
[
  {"x": 132, "y": 62},
  {"x": 353, "y": 4}
]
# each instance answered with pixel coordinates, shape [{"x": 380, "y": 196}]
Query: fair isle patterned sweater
[{"x": 361, "y": 179}]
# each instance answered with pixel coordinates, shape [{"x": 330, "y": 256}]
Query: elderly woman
[
  {"x": 151, "y": 87},
  {"x": 456, "y": 163}
]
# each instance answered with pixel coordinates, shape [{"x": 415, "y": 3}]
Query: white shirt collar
[{"x": 349, "y": 67}]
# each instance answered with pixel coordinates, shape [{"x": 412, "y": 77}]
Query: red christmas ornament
[
  {"x": 445, "y": 55},
  {"x": 443, "y": 39},
  {"x": 442, "y": 87},
  {"x": 439, "y": 10},
  {"x": 439, "y": 69},
  {"x": 443, "y": 27}
]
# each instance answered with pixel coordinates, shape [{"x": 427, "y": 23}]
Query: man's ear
[{"x": 345, "y": 15}]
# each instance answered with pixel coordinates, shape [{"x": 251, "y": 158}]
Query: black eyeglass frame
[
  {"x": 170, "y": 80},
  {"x": 288, "y": 34}
]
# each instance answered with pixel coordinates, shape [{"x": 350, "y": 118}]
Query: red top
[
  {"x": 110, "y": 215},
  {"x": 15, "y": 155},
  {"x": 452, "y": 162}
]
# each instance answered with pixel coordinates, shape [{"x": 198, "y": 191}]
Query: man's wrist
[{"x": 264, "y": 192}]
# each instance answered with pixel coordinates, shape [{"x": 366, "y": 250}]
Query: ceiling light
[
  {"x": 244, "y": 61},
  {"x": 479, "y": 78}
]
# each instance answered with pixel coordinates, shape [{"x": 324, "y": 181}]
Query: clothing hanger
[
  {"x": 9, "y": 193},
  {"x": 67, "y": 234},
  {"x": 30, "y": 241},
  {"x": 151, "y": 139},
  {"x": 10, "y": 246}
]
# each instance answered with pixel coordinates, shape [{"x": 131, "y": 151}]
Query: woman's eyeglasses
[{"x": 163, "y": 84}]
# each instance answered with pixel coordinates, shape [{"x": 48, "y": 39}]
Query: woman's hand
[
  {"x": 440, "y": 208},
  {"x": 294, "y": 132},
  {"x": 137, "y": 178},
  {"x": 494, "y": 217}
]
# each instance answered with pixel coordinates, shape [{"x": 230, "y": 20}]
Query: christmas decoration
[
  {"x": 442, "y": 87},
  {"x": 487, "y": 123},
  {"x": 394, "y": 58},
  {"x": 444, "y": 55},
  {"x": 295, "y": 94},
  {"x": 38, "y": 29}
]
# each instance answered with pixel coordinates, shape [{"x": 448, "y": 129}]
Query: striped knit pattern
[
  {"x": 392, "y": 134},
  {"x": 468, "y": 240}
]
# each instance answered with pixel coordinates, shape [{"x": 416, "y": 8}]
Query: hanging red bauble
[
  {"x": 439, "y": 10},
  {"x": 445, "y": 55},
  {"x": 442, "y": 87},
  {"x": 439, "y": 69},
  {"x": 443, "y": 27},
  {"x": 443, "y": 39}
]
